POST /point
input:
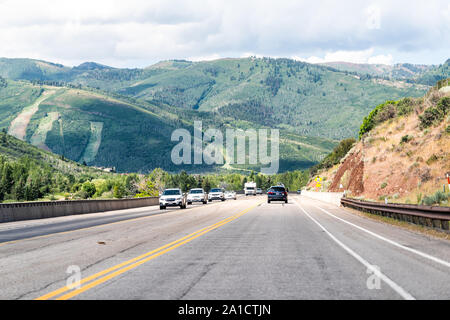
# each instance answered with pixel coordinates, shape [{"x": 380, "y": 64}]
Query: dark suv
[{"x": 277, "y": 193}]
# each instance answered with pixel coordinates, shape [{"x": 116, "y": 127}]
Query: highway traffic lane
[
  {"x": 416, "y": 263},
  {"x": 34, "y": 266},
  {"x": 423, "y": 242},
  {"x": 11, "y": 232},
  {"x": 271, "y": 252}
]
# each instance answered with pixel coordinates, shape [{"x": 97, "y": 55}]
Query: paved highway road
[{"x": 243, "y": 249}]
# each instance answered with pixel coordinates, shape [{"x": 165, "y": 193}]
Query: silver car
[
  {"x": 197, "y": 195},
  {"x": 230, "y": 195},
  {"x": 172, "y": 198},
  {"x": 216, "y": 194}
]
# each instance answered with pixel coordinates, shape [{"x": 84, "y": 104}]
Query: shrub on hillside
[
  {"x": 405, "y": 106},
  {"x": 406, "y": 139},
  {"x": 435, "y": 115},
  {"x": 339, "y": 152},
  {"x": 432, "y": 159},
  {"x": 444, "y": 105},
  {"x": 435, "y": 199},
  {"x": 385, "y": 110}
]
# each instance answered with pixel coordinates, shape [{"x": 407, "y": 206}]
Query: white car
[
  {"x": 258, "y": 191},
  {"x": 230, "y": 195},
  {"x": 197, "y": 195},
  {"x": 216, "y": 194},
  {"x": 172, "y": 198}
]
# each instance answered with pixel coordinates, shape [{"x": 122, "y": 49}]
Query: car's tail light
[{"x": 270, "y": 193}]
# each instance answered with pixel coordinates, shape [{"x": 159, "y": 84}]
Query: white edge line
[
  {"x": 402, "y": 292},
  {"x": 422, "y": 254}
]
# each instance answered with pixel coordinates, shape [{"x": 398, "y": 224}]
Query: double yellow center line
[{"x": 85, "y": 284}]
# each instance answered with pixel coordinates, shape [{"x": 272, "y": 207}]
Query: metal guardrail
[{"x": 433, "y": 217}]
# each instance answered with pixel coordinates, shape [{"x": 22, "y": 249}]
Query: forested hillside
[
  {"x": 297, "y": 95},
  {"x": 28, "y": 173},
  {"x": 124, "y": 118},
  {"x": 89, "y": 126}
]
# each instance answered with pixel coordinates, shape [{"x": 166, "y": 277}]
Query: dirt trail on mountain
[
  {"x": 94, "y": 142},
  {"x": 45, "y": 125},
  {"x": 18, "y": 127}
]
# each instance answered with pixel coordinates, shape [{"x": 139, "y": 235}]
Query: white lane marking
[
  {"x": 420, "y": 253},
  {"x": 402, "y": 292}
]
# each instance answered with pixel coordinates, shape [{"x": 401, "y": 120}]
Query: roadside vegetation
[
  {"x": 339, "y": 152},
  {"x": 28, "y": 173}
]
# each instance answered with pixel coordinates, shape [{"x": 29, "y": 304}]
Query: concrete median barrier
[
  {"x": 328, "y": 197},
  {"x": 10, "y": 212}
]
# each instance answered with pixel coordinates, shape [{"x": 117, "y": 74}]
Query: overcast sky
[{"x": 134, "y": 33}]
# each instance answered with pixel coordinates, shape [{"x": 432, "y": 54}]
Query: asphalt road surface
[{"x": 243, "y": 249}]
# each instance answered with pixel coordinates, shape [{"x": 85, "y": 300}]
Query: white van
[{"x": 250, "y": 188}]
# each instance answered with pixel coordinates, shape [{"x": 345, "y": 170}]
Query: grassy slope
[
  {"x": 14, "y": 149},
  {"x": 135, "y": 137},
  {"x": 13, "y": 99}
]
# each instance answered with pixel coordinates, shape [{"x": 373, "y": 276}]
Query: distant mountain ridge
[
  {"x": 124, "y": 117},
  {"x": 412, "y": 73}
]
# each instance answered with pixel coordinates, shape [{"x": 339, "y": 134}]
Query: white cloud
[
  {"x": 446, "y": 13},
  {"x": 381, "y": 59},
  {"x": 363, "y": 56},
  {"x": 210, "y": 57},
  {"x": 138, "y": 32}
]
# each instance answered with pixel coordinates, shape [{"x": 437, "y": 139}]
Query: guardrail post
[{"x": 445, "y": 225}]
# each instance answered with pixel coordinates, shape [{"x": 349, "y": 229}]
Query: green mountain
[
  {"x": 297, "y": 96},
  {"x": 124, "y": 118},
  {"x": 87, "y": 126},
  {"x": 412, "y": 73},
  {"x": 399, "y": 71},
  {"x": 436, "y": 74},
  {"x": 29, "y": 69},
  {"x": 91, "y": 127}
]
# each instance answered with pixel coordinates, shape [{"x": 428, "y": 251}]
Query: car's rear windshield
[
  {"x": 216, "y": 190},
  {"x": 196, "y": 191},
  {"x": 171, "y": 193},
  {"x": 278, "y": 189},
  {"x": 250, "y": 188}
]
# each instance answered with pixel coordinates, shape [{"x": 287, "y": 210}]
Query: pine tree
[{"x": 6, "y": 182}]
